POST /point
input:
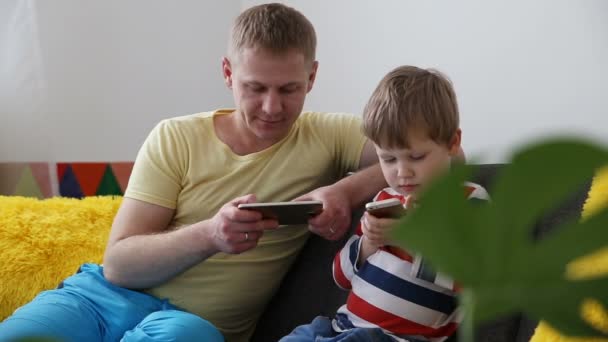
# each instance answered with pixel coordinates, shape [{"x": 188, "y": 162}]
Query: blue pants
[
  {"x": 320, "y": 330},
  {"x": 86, "y": 307}
]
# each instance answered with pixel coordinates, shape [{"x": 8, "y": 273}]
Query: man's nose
[{"x": 272, "y": 103}]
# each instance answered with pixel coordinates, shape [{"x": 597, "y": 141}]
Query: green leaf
[{"x": 490, "y": 249}]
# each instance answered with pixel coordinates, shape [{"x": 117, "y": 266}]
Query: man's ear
[
  {"x": 227, "y": 72},
  {"x": 313, "y": 75}
]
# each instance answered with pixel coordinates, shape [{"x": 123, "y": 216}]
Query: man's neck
[{"x": 240, "y": 140}]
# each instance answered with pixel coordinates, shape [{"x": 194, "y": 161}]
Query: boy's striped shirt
[{"x": 396, "y": 291}]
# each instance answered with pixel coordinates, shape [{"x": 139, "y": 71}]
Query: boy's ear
[{"x": 455, "y": 147}]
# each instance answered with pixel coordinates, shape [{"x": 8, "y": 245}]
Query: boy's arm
[
  {"x": 367, "y": 249},
  {"x": 346, "y": 261}
]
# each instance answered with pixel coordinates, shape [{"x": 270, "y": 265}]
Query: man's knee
[{"x": 176, "y": 325}]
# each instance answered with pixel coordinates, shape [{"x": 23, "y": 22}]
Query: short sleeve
[
  {"x": 159, "y": 167},
  {"x": 344, "y": 137}
]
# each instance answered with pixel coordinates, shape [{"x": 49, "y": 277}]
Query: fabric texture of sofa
[{"x": 308, "y": 289}]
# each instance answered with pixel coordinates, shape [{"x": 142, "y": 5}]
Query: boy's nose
[{"x": 405, "y": 172}]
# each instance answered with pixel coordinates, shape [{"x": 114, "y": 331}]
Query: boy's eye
[
  {"x": 417, "y": 156},
  {"x": 388, "y": 160}
]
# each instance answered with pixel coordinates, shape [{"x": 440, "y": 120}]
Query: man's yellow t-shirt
[{"x": 183, "y": 165}]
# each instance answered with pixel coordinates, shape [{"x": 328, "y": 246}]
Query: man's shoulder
[
  {"x": 185, "y": 122},
  {"x": 181, "y": 128},
  {"x": 328, "y": 124},
  {"x": 188, "y": 119},
  {"x": 327, "y": 116}
]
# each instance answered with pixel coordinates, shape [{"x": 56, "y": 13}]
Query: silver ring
[{"x": 246, "y": 236}]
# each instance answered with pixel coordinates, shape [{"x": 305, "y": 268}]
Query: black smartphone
[{"x": 286, "y": 213}]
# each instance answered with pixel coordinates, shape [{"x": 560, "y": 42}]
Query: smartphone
[
  {"x": 388, "y": 208},
  {"x": 286, "y": 213}
]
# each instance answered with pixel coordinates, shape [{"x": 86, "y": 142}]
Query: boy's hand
[
  {"x": 375, "y": 235},
  {"x": 376, "y": 230}
]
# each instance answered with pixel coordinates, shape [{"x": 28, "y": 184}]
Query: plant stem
[{"x": 466, "y": 331}]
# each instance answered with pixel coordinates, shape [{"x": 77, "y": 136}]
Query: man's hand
[
  {"x": 335, "y": 219},
  {"x": 233, "y": 230}
]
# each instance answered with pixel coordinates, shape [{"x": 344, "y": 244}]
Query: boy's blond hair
[
  {"x": 275, "y": 27},
  {"x": 410, "y": 98}
]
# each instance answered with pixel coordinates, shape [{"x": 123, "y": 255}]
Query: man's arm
[
  {"x": 143, "y": 252},
  {"x": 348, "y": 193},
  {"x": 368, "y": 155},
  {"x": 361, "y": 185}
]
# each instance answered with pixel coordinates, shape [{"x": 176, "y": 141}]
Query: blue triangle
[{"x": 68, "y": 186}]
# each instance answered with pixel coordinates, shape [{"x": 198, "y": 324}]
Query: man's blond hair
[
  {"x": 275, "y": 27},
  {"x": 411, "y": 98}
]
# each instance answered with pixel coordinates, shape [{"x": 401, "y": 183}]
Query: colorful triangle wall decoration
[{"x": 108, "y": 184}]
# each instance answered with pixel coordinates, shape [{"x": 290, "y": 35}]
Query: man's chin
[
  {"x": 271, "y": 135},
  {"x": 267, "y": 132}
]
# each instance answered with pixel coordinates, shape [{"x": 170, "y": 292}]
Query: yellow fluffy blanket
[
  {"x": 589, "y": 266},
  {"x": 44, "y": 241}
]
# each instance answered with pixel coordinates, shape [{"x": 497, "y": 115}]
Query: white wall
[
  {"x": 23, "y": 121},
  {"x": 89, "y": 80},
  {"x": 522, "y": 69},
  {"x": 112, "y": 70}
]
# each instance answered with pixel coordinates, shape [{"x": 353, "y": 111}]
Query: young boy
[{"x": 412, "y": 118}]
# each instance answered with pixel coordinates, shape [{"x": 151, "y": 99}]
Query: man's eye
[
  {"x": 289, "y": 90},
  {"x": 256, "y": 88}
]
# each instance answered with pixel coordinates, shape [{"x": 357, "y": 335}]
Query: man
[{"x": 180, "y": 251}]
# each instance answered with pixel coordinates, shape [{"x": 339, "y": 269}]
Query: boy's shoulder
[
  {"x": 387, "y": 193},
  {"x": 475, "y": 191},
  {"x": 471, "y": 191}
]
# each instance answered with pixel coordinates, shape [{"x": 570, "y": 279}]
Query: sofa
[{"x": 308, "y": 289}]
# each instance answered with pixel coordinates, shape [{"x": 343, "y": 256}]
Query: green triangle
[
  {"x": 108, "y": 184},
  {"x": 27, "y": 185}
]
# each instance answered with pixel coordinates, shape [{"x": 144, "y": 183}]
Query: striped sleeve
[{"x": 345, "y": 262}]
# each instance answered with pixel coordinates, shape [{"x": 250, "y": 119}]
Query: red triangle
[
  {"x": 61, "y": 167},
  {"x": 89, "y": 176},
  {"x": 122, "y": 172}
]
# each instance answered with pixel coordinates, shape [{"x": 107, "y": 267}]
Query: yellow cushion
[
  {"x": 588, "y": 266},
  {"x": 44, "y": 241}
]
